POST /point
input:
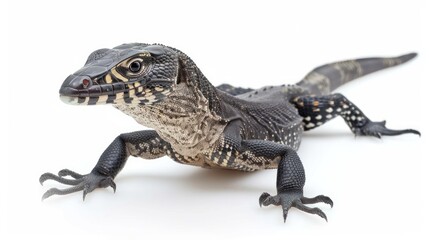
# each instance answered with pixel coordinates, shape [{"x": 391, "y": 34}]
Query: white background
[{"x": 378, "y": 186}]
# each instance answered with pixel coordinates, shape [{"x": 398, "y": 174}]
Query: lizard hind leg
[{"x": 317, "y": 110}]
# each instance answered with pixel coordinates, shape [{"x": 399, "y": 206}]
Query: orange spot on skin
[{"x": 316, "y": 103}]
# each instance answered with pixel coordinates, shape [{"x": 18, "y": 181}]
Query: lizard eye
[{"x": 135, "y": 66}]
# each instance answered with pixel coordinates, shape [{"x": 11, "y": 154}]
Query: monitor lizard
[{"x": 224, "y": 127}]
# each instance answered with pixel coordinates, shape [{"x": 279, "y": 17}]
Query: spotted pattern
[
  {"x": 182, "y": 119},
  {"x": 148, "y": 149},
  {"x": 316, "y": 110}
]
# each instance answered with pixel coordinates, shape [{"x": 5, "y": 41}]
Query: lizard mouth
[
  {"x": 129, "y": 95},
  {"x": 80, "y": 97},
  {"x": 82, "y": 90},
  {"x": 78, "y": 89}
]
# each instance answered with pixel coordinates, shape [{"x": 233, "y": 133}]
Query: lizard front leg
[
  {"x": 290, "y": 184},
  {"x": 146, "y": 144},
  {"x": 250, "y": 155},
  {"x": 290, "y": 178}
]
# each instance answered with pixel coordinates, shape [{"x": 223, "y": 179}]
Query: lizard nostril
[{"x": 85, "y": 83}]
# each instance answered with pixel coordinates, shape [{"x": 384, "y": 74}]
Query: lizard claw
[
  {"x": 86, "y": 183},
  {"x": 85, "y": 192},
  {"x": 377, "y": 129},
  {"x": 47, "y": 176},
  {"x": 318, "y": 199},
  {"x": 56, "y": 191},
  {"x": 263, "y": 199},
  {"x": 67, "y": 172},
  {"x": 112, "y": 184},
  {"x": 295, "y": 199}
]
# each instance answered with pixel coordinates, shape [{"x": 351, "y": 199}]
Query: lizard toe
[
  {"x": 378, "y": 129},
  {"x": 289, "y": 199},
  {"x": 86, "y": 183}
]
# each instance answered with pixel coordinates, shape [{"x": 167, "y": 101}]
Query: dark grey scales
[{"x": 198, "y": 124}]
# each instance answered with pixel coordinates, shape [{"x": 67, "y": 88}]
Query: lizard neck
[
  {"x": 198, "y": 83},
  {"x": 188, "y": 118}
]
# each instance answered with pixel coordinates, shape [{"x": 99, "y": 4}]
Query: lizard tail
[{"x": 326, "y": 78}]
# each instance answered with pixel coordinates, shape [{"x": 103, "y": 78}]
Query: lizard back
[{"x": 267, "y": 115}]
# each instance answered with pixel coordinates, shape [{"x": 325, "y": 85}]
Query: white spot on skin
[
  {"x": 329, "y": 116},
  {"x": 307, "y": 118},
  {"x": 329, "y": 110},
  {"x": 359, "y": 118},
  {"x": 102, "y": 99},
  {"x": 224, "y": 162},
  {"x": 319, "y": 123},
  {"x": 318, "y": 117},
  {"x": 338, "y": 109},
  {"x": 345, "y": 106},
  {"x": 310, "y": 125},
  {"x": 353, "y": 117}
]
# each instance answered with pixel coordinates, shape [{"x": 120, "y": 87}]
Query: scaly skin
[{"x": 226, "y": 127}]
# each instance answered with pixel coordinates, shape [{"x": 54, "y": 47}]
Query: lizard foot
[
  {"x": 377, "y": 129},
  {"x": 86, "y": 183},
  {"x": 295, "y": 199}
]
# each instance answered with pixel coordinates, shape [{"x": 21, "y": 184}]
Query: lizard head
[{"x": 127, "y": 74}]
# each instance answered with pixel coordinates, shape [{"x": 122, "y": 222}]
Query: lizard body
[{"x": 198, "y": 124}]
